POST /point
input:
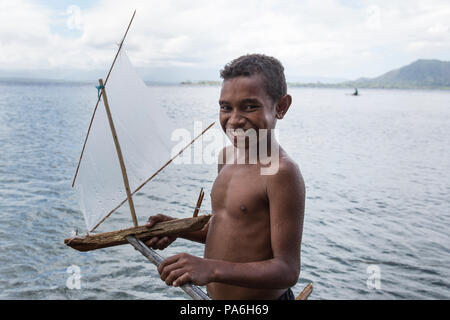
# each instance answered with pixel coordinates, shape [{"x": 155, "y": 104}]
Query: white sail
[{"x": 143, "y": 130}]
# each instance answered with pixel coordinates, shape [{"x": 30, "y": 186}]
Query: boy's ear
[{"x": 283, "y": 106}]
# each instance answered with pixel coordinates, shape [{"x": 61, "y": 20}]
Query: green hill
[{"x": 419, "y": 74}]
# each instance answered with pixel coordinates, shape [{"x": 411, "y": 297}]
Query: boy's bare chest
[{"x": 239, "y": 189}]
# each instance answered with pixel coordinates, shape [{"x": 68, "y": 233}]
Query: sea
[{"x": 376, "y": 168}]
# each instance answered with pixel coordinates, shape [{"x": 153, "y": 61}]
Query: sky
[{"x": 172, "y": 41}]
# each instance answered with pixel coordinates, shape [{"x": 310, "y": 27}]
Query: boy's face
[{"x": 244, "y": 104}]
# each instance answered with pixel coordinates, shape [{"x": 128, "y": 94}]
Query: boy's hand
[
  {"x": 156, "y": 242},
  {"x": 182, "y": 268}
]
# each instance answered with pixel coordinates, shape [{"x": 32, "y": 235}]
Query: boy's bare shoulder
[
  {"x": 288, "y": 176},
  {"x": 286, "y": 193}
]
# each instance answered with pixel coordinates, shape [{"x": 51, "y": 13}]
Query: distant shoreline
[
  {"x": 37, "y": 81},
  {"x": 345, "y": 85}
]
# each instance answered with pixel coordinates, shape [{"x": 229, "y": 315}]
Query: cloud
[
  {"x": 373, "y": 17},
  {"x": 24, "y": 34},
  {"x": 329, "y": 38},
  {"x": 74, "y": 20},
  {"x": 438, "y": 30}
]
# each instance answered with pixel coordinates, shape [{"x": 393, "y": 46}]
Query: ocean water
[{"x": 376, "y": 168}]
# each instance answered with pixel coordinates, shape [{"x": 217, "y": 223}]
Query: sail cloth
[{"x": 143, "y": 130}]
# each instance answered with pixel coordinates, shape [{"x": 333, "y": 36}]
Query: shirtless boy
[{"x": 252, "y": 241}]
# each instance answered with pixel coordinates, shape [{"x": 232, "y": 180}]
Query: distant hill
[{"x": 419, "y": 74}]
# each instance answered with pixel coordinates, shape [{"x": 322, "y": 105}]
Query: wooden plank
[
  {"x": 175, "y": 227},
  {"x": 305, "y": 292},
  {"x": 192, "y": 290}
]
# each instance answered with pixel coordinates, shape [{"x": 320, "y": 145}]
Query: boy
[{"x": 252, "y": 241}]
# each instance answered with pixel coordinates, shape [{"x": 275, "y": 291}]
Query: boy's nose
[{"x": 236, "y": 120}]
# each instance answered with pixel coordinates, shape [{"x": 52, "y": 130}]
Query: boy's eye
[
  {"x": 225, "y": 108},
  {"x": 250, "y": 107}
]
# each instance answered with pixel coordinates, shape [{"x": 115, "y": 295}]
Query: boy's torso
[{"x": 240, "y": 226}]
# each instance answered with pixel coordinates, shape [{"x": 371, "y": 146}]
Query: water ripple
[{"x": 376, "y": 171}]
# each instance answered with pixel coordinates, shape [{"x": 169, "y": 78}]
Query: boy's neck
[{"x": 260, "y": 153}]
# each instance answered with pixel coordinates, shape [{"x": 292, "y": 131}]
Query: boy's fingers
[
  {"x": 154, "y": 219},
  {"x": 185, "y": 278},
  {"x": 171, "y": 271},
  {"x": 151, "y": 221},
  {"x": 157, "y": 243},
  {"x": 167, "y": 262},
  {"x": 163, "y": 243},
  {"x": 151, "y": 242}
]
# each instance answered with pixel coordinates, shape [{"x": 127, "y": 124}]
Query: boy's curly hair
[{"x": 270, "y": 68}]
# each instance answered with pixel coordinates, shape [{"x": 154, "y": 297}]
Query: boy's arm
[
  {"x": 198, "y": 236},
  {"x": 164, "y": 242},
  {"x": 286, "y": 193}
]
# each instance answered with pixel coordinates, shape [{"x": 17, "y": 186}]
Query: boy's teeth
[{"x": 238, "y": 133}]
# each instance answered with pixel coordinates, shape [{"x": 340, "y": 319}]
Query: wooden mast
[{"x": 119, "y": 154}]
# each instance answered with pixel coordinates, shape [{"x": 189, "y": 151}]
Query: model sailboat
[{"x": 128, "y": 140}]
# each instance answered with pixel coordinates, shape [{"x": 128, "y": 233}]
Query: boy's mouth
[{"x": 237, "y": 133}]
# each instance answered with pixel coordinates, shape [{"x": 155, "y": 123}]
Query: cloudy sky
[{"x": 192, "y": 40}]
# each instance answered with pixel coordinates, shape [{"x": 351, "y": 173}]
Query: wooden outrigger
[
  {"x": 175, "y": 228},
  {"x": 305, "y": 292}
]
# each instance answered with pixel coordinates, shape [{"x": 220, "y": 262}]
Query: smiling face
[{"x": 244, "y": 104}]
